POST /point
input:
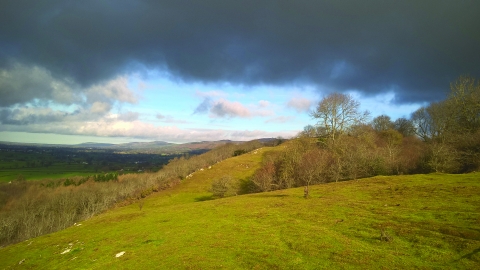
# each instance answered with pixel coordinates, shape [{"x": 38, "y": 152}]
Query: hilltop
[{"x": 418, "y": 221}]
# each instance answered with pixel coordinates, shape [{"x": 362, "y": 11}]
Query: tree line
[{"x": 442, "y": 137}]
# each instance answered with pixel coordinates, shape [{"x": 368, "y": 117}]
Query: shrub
[
  {"x": 239, "y": 152},
  {"x": 224, "y": 186}
]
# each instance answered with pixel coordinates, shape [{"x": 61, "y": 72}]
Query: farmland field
[{"x": 46, "y": 162}]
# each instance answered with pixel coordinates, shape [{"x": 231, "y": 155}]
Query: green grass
[
  {"x": 41, "y": 174},
  {"x": 55, "y": 171},
  {"x": 432, "y": 221}
]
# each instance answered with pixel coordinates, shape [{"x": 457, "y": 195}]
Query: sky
[{"x": 181, "y": 71}]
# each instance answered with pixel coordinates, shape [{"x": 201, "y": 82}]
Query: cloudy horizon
[{"x": 182, "y": 71}]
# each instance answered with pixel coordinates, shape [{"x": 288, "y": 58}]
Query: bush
[
  {"x": 239, "y": 152},
  {"x": 224, "y": 186}
]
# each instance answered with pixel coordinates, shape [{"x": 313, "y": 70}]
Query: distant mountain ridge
[
  {"x": 155, "y": 147},
  {"x": 94, "y": 144}
]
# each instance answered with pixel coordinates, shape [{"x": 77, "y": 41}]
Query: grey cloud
[
  {"x": 204, "y": 107},
  {"x": 38, "y": 115},
  {"x": 20, "y": 84},
  {"x": 28, "y": 115},
  {"x": 129, "y": 116},
  {"x": 414, "y": 47},
  {"x": 225, "y": 108},
  {"x": 222, "y": 108}
]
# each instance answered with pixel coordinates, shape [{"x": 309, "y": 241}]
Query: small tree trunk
[{"x": 305, "y": 192}]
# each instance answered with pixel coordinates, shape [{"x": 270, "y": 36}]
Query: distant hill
[
  {"x": 95, "y": 145},
  {"x": 158, "y": 147},
  {"x": 155, "y": 147}
]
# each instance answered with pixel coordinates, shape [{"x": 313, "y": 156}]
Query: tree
[
  {"x": 382, "y": 123},
  {"x": 404, "y": 126},
  {"x": 393, "y": 140},
  {"x": 421, "y": 121},
  {"x": 435, "y": 121},
  {"x": 465, "y": 97},
  {"x": 309, "y": 131},
  {"x": 311, "y": 168},
  {"x": 337, "y": 113},
  {"x": 442, "y": 158},
  {"x": 264, "y": 177}
]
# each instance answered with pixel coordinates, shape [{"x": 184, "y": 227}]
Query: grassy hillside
[{"x": 420, "y": 221}]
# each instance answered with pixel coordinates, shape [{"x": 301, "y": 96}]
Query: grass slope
[{"x": 420, "y": 221}]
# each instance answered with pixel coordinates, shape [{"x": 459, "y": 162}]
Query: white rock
[
  {"x": 65, "y": 251},
  {"x": 120, "y": 254}
]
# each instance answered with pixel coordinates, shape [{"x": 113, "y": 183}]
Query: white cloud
[
  {"x": 100, "y": 107},
  {"x": 264, "y": 103},
  {"x": 128, "y": 116},
  {"x": 225, "y": 108},
  {"x": 300, "y": 104},
  {"x": 137, "y": 129},
  {"x": 113, "y": 90}
]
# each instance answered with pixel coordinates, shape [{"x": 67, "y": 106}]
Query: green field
[
  {"x": 34, "y": 163},
  {"x": 400, "y": 222},
  {"x": 53, "y": 172}
]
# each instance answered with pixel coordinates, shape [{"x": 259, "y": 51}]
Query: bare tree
[
  {"x": 393, "y": 141},
  {"x": 338, "y": 112},
  {"x": 465, "y": 96},
  {"x": 404, "y": 126},
  {"x": 382, "y": 123},
  {"x": 309, "y": 131},
  {"x": 311, "y": 168},
  {"x": 422, "y": 123},
  {"x": 434, "y": 122}
]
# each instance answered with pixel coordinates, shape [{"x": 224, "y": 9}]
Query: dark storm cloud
[{"x": 413, "y": 47}]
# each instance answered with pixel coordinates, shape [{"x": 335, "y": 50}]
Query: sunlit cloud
[
  {"x": 225, "y": 108},
  {"x": 300, "y": 104}
]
